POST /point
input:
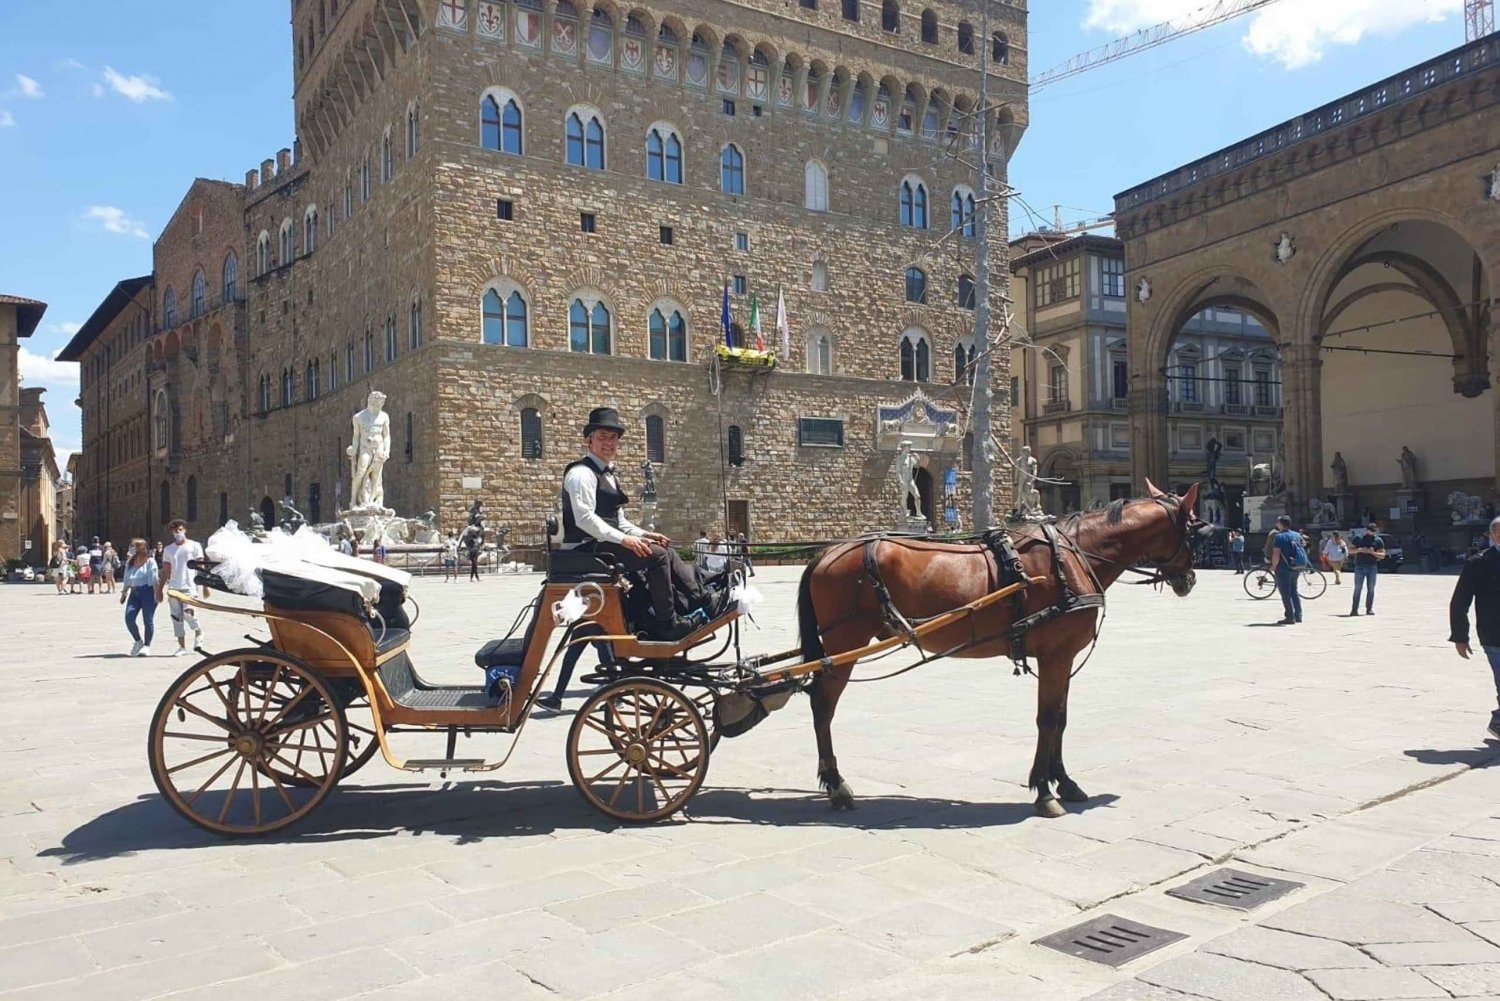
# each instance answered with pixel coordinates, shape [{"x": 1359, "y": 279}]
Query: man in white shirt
[
  {"x": 175, "y": 559},
  {"x": 715, "y": 555},
  {"x": 593, "y": 510}
]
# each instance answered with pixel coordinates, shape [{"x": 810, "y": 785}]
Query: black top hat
[{"x": 603, "y": 418}]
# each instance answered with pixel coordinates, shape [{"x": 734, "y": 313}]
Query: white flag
[{"x": 781, "y": 325}]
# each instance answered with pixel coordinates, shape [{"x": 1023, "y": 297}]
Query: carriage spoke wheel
[
  {"x": 360, "y": 740},
  {"x": 1260, "y": 583},
  {"x": 233, "y": 731},
  {"x": 1311, "y": 584},
  {"x": 638, "y": 750}
]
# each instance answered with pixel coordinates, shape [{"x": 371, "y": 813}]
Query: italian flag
[{"x": 760, "y": 342}]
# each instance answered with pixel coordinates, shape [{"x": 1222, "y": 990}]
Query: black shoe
[
  {"x": 553, "y": 702},
  {"x": 1494, "y": 730},
  {"x": 1353, "y": 612},
  {"x": 1286, "y": 622},
  {"x": 674, "y": 630},
  {"x": 1369, "y": 611},
  {"x": 1299, "y": 620}
]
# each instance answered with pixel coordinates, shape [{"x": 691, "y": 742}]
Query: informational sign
[
  {"x": 950, "y": 514},
  {"x": 26, "y": 544},
  {"x": 473, "y": 482}
]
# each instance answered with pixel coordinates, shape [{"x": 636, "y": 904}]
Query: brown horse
[{"x": 839, "y": 608}]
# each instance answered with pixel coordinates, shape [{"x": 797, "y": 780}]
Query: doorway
[
  {"x": 267, "y": 513},
  {"x": 738, "y": 517},
  {"x": 924, "y": 488}
]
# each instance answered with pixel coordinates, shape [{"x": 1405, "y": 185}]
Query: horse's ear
[
  {"x": 1151, "y": 489},
  {"x": 1190, "y": 499}
]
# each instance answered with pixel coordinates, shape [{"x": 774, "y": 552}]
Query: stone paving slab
[{"x": 1310, "y": 754}]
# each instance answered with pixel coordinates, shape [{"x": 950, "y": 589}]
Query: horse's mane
[{"x": 1115, "y": 511}]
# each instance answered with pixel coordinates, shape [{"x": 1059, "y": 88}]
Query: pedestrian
[
  {"x": 345, "y": 546},
  {"x": 553, "y": 700},
  {"x": 1368, "y": 551},
  {"x": 82, "y": 572},
  {"x": 111, "y": 567},
  {"x": 380, "y": 550},
  {"x": 180, "y": 578},
  {"x": 714, "y": 560},
  {"x": 1479, "y": 583},
  {"x": 701, "y": 546},
  {"x": 59, "y": 567},
  {"x": 1237, "y": 550},
  {"x": 139, "y": 594},
  {"x": 1335, "y": 551},
  {"x": 745, "y": 555},
  {"x": 450, "y": 558},
  {"x": 1288, "y": 557},
  {"x": 96, "y": 566},
  {"x": 475, "y": 545}
]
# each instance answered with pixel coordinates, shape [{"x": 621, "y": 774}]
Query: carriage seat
[
  {"x": 393, "y": 639},
  {"x": 577, "y": 565},
  {"x": 501, "y": 653}
]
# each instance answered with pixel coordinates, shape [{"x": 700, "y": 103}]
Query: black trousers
[
  {"x": 473, "y": 564},
  {"x": 665, "y": 574}
]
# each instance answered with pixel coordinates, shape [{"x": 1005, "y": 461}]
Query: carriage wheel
[
  {"x": 230, "y": 730},
  {"x": 638, "y": 750},
  {"x": 1260, "y": 583},
  {"x": 361, "y": 743},
  {"x": 1311, "y": 584}
]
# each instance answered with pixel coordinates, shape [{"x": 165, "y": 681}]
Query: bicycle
[{"x": 1260, "y": 582}]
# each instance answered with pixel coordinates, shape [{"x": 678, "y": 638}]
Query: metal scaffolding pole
[{"x": 981, "y": 480}]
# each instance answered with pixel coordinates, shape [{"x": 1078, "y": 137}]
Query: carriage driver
[{"x": 592, "y": 509}]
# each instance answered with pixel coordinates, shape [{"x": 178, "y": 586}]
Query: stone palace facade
[{"x": 503, "y": 214}]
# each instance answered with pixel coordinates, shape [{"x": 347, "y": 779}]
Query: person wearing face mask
[
  {"x": 175, "y": 561},
  {"x": 138, "y": 595}
]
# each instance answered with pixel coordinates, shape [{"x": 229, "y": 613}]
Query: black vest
[{"x": 607, "y": 503}]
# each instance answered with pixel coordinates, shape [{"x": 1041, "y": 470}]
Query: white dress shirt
[{"x": 581, "y": 486}]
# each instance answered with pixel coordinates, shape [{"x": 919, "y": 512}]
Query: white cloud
[
  {"x": 71, "y": 64},
  {"x": 114, "y": 220},
  {"x": 139, "y": 88},
  {"x": 1293, "y": 33},
  {"x": 66, "y": 328},
  {"x": 27, "y": 87},
  {"x": 6, "y": 119},
  {"x": 42, "y": 370}
]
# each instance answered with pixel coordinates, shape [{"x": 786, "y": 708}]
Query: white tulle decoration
[
  {"x": 238, "y": 557},
  {"x": 570, "y": 609},
  {"x": 304, "y": 545},
  {"x": 746, "y": 596}
]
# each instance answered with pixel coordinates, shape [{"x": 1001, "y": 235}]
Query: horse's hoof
[
  {"x": 1070, "y": 793},
  {"x": 1050, "y": 808},
  {"x": 841, "y": 798}
]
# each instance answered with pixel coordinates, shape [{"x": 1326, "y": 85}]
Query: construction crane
[
  {"x": 1150, "y": 38},
  {"x": 1083, "y": 226},
  {"x": 1479, "y": 19}
]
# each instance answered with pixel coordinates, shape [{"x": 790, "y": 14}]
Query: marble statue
[
  {"x": 1212, "y": 450},
  {"x": 1322, "y": 512},
  {"x": 1286, "y": 248},
  {"x": 291, "y": 518},
  {"x": 1495, "y": 184},
  {"x": 1213, "y": 503},
  {"x": 369, "y": 449},
  {"x": 1340, "y": 473},
  {"x": 257, "y": 525},
  {"x": 1465, "y": 509},
  {"x": 1143, "y": 291},
  {"x": 476, "y": 513},
  {"x": 1408, "y": 463},
  {"x": 1260, "y": 472},
  {"x": 906, "y": 472},
  {"x": 426, "y": 533},
  {"x": 1028, "y": 498},
  {"x": 648, "y": 480}
]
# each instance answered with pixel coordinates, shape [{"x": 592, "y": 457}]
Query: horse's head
[{"x": 1173, "y": 552}]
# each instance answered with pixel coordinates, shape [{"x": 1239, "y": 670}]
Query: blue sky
[{"x": 109, "y": 110}]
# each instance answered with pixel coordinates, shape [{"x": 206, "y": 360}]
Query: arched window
[
  {"x": 390, "y": 337},
  {"x": 310, "y": 380},
  {"x": 736, "y": 447},
  {"x": 667, "y": 334},
  {"x": 851, "y": 10},
  {"x": 288, "y": 249},
  {"x": 505, "y": 319},
  {"x": 663, "y": 155},
  {"x": 310, "y": 229},
  {"x": 387, "y": 157},
  {"x": 916, "y": 357},
  {"x": 732, "y": 170},
  {"x": 589, "y": 326},
  {"x": 413, "y": 130},
  {"x": 819, "y": 352},
  {"x": 815, "y": 186},
  {"x": 231, "y": 278},
  {"x": 500, "y": 123},
  {"x": 333, "y": 371},
  {"x": 1000, "y": 48},
  {"x": 263, "y": 253},
  {"x": 913, "y": 203},
  {"x": 961, "y": 212},
  {"x": 200, "y": 294},
  {"x": 965, "y": 292},
  {"x": 531, "y": 433},
  {"x": 369, "y": 350},
  {"x": 966, "y": 38},
  {"x": 585, "y": 139},
  {"x": 161, "y": 417},
  {"x": 414, "y": 323},
  {"x": 890, "y": 16},
  {"x": 819, "y": 281},
  {"x": 656, "y": 438},
  {"x": 410, "y": 438},
  {"x": 929, "y": 27},
  {"x": 288, "y": 387},
  {"x": 349, "y": 372},
  {"x": 264, "y": 394},
  {"x": 164, "y": 499},
  {"x": 963, "y": 361},
  {"x": 169, "y": 307},
  {"x": 916, "y": 285}
]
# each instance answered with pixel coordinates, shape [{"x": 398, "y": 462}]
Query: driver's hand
[
  {"x": 658, "y": 538},
  {"x": 1463, "y": 650},
  {"x": 637, "y": 544}
]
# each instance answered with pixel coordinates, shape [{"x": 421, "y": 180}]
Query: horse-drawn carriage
[{"x": 251, "y": 740}]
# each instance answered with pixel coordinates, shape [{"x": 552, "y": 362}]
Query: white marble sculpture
[
  {"x": 1285, "y": 248},
  {"x": 906, "y": 471},
  {"x": 1408, "y": 464},
  {"x": 1465, "y": 509},
  {"x": 368, "y": 452},
  {"x": 1028, "y": 498},
  {"x": 1322, "y": 512}
]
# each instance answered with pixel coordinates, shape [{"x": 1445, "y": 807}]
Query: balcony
[
  {"x": 1056, "y": 407},
  {"x": 1187, "y": 407},
  {"x": 1236, "y": 409},
  {"x": 1264, "y": 411},
  {"x": 1119, "y": 403}
]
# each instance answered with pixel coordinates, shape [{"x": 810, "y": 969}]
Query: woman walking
[
  {"x": 111, "y": 567},
  {"x": 139, "y": 595},
  {"x": 1336, "y": 551},
  {"x": 59, "y": 567}
]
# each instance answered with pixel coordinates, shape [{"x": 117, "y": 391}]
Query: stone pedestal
[
  {"x": 1347, "y": 508},
  {"x": 1261, "y": 513},
  {"x": 648, "y": 513},
  {"x": 913, "y": 524}
]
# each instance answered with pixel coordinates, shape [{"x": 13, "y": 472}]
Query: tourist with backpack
[{"x": 1288, "y": 558}]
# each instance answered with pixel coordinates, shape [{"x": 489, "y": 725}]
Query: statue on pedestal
[
  {"x": 1028, "y": 498},
  {"x": 257, "y": 525},
  {"x": 1408, "y": 463},
  {"x": 1213, "y": 503},
  {"x": 1212, "y": 450},
  {"x": 648, "y": 480},
  {"x": 1340, "y": 473},
  {"x": 368, "y": 452},
  {"x": 906, "y": 472},
  {"x": 291, "y": 518}
]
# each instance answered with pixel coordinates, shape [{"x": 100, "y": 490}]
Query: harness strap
[{"x": 888, "y": 610}]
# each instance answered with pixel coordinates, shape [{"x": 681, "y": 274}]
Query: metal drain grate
[
  {"x": 1232, "y": 888},
  {"x": 1110, "y": 940}
]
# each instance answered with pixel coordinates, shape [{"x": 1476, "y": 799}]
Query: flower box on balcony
[{"x": 746, "y": 356}]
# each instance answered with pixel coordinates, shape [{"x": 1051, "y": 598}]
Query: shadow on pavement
[
  {"x": 476, "y": 811},
  {"x": 1474, "y": 757}
]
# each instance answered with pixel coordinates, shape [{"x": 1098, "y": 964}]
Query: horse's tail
[{"x": 807, "y": 618}]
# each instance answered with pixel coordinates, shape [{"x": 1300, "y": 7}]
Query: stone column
[
  {"x": 1302, "y": 423},
  {"x": 1149, "y": 445}
]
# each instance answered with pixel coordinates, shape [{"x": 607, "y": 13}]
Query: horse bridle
[{"x": 1157, "y": 574}]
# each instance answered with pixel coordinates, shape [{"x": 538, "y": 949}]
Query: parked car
[{"x": 1394, "y": 555}]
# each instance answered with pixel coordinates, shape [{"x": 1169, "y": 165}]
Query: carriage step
[{"x": 443, "y": 765}]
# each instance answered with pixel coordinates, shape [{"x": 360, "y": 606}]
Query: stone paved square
[{"x": 1346, "y": 754}]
